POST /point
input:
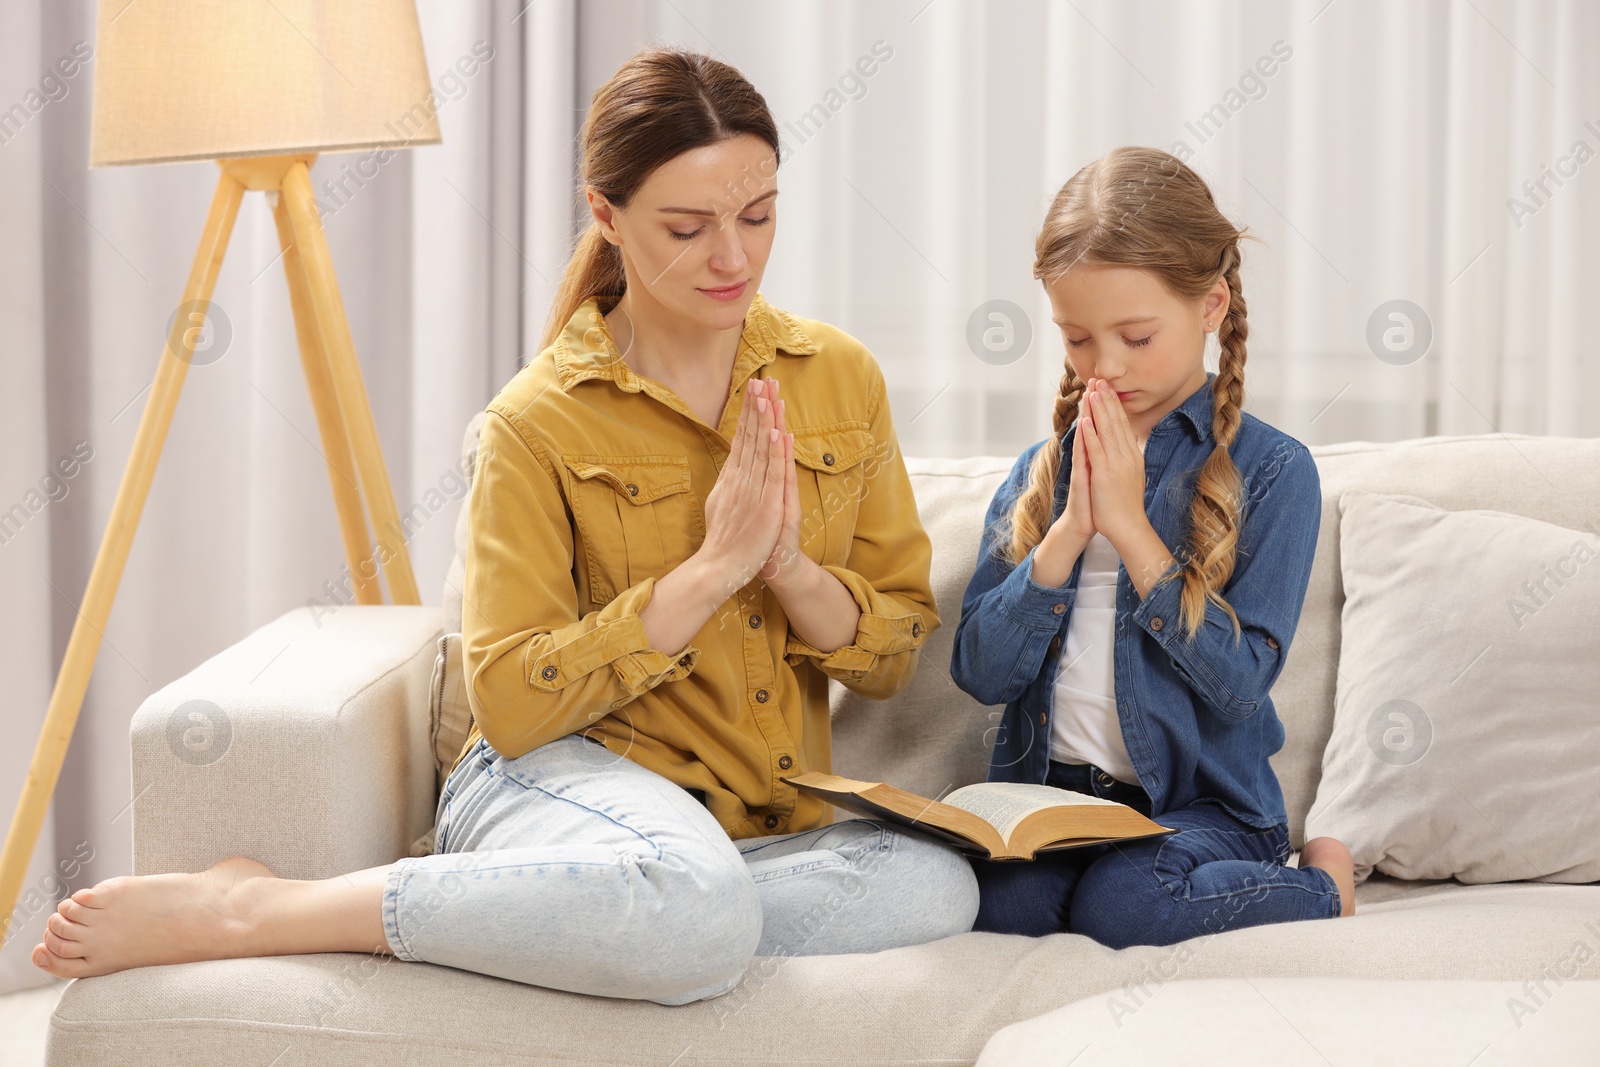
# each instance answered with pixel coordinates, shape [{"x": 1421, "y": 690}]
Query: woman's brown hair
[
  {"x": 660, "y": 103},
  {"x": 1142, "y": 207}
]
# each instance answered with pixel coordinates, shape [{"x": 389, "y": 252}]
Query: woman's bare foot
[
  {"x": 1331, "y": 855},
  {"x": 153, "y": 919}
]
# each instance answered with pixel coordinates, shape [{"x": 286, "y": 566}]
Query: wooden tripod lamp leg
[
  {"x": 72, "y": 682},
  {"x": 352, "y": 392},
  {"x": 325, "y": 401}
]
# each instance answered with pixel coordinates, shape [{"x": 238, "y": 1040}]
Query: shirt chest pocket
[
  {"x": 636, "y": 517},
  {"x": 833, "y": 470}
]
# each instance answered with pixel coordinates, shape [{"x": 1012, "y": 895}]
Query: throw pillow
[
  {"x": 1466, "y": 735},
  {"x": 450, "y": 715}
]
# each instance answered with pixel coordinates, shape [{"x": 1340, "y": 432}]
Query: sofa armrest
[{"x": 304, "y": 746}]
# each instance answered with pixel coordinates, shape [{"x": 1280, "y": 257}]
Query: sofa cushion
[
  {"x": 1465, "y": 741},
  {"x": 449, "y": 712},
  {"x": 932, "y": 737},
  {"x": 1553, "y": 479},
  {"x": 455, "y": 579},
  {"x": 1219, "y": 1022},
  {"x": 932, "y": 1003}
]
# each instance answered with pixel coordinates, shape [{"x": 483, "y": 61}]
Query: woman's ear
[{"x": 604, "y": 214}]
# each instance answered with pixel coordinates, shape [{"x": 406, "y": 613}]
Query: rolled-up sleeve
[
  {"x": 535, "y": 669},
  {"x": 888, "y": 573},
  {"x": 1277, "y": 544}
]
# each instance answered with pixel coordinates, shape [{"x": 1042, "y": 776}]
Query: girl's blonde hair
[
  {"x": 1142, "y": 207},
  {"x": 659, "y": 104}
]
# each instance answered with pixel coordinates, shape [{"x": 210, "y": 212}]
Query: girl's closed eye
[
  {"x": 1130, "y": 342},
  {"x": 691, "y": 235}
]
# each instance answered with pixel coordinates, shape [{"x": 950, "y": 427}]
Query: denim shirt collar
[{"x": 1196, "y": 411}]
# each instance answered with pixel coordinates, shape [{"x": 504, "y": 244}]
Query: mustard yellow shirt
[{"x": 591, "y": 484}]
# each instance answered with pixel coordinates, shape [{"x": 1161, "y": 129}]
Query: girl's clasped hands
[{"x": 1106, "y": 491}]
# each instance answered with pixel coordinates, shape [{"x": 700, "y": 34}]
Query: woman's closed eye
[{"x": 691, "y": 235}]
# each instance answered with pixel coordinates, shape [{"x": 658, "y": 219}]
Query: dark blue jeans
[{"x": 1215, "y": 874}]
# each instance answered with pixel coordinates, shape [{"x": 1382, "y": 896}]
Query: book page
[{"x": 1005, "y": 804}]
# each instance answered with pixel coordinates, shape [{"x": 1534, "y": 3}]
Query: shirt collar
[
  {"x": 585, "y": 348},
  {"x": 1196, "y": 410}
]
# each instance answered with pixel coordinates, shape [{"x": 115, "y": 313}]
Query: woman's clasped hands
[{"x": 753, "y": 510}]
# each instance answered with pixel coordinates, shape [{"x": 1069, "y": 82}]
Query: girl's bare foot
[
  {"x": 153, "y": 919},
  {"x": 1331, "y": 855}
]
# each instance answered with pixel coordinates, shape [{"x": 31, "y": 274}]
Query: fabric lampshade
[{"x": 211, "y": 79}]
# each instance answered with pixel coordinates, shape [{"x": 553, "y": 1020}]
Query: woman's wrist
[
  {"x": 714, "y": 579},
  {"x": 821, "y": 610},
  {"x": 685, "y": 598},
  {"x": 789, "y": 575}
]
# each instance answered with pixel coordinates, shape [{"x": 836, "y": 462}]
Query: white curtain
[
  {"x": 1376, "y": 159},
  {"x": 1379, "y": 159},
  {"x": 439, "y": 254}
]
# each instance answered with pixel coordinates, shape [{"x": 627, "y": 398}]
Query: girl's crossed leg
[{"x": 1215, "y": 874}]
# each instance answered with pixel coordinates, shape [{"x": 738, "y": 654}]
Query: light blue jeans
[{"x": 573, "y": 868}]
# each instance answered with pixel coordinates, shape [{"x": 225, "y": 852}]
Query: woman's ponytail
[{"x": 595, "y": 270}]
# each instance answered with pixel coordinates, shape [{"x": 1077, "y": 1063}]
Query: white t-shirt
[{"x": 1083, "y": 713}]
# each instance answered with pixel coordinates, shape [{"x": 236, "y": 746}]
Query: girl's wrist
[{"x": 1056, "y": 555}]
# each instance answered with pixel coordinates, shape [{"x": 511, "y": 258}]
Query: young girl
[
  {"x": 663, "y": 573},
  {"x": 1139, "y": 580}
]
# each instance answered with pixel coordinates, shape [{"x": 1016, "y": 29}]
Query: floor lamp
[{"x": 262, "y": 88}]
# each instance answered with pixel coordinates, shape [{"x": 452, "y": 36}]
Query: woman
[{"x": 665, "y": 568}]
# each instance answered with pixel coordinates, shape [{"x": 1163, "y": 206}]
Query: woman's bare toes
[
  {"x": 61, "y": 953},
  {"x": 61, "y": 937},
  {"x": 49, "y": 962},
  {"x": 154, "y": 919},
  {"x": 1330, "y": 854}
]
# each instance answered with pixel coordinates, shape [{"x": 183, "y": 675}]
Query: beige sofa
[{"x": 328, "y": 768}]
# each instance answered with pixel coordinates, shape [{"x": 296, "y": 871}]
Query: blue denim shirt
[{"x": 1196, "y": 719}]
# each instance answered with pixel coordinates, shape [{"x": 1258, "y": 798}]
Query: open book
[{"x": 997, "y": 820}]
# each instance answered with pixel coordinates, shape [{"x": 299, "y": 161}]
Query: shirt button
[
  {"x": 684, "y": 662},
  {"x": 1055, "y": 645},
  {"x": 1155, "y": 623},
  {"x": 1043, "y": 718},
  {"x": 827, "y": 458},
  {"x": 755, "y": 622},
  {"x": 548, "y": 673},
  {"x": 785, "y": 762},
  {"x": 1057, "y": 609},
  {"x": 761, "y": 696},
  {"x": 633, "y": 490},
  {"x": 772, "y": 820},
  {"x": 916, "y": 629},
  {"x": 1271, "y": 643}
]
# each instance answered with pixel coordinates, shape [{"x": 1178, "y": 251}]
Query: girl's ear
[{"x": 1216, "y": 302}]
